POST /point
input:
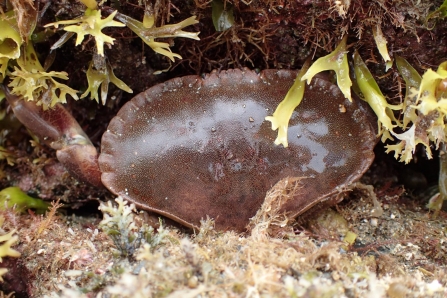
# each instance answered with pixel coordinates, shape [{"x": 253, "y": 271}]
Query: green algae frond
[
  {"x": 407, "y": 145},
  {"x": 223, "y": 16},
  {"x": 439, "y": 13},
  {"x": 282, "y": 114},
  {"x": 424, "y": 107},
  {"x": 337, "y": 61},
  {"x": 371, "y": 93},
  {"x": 14, "y": 197},
  {"x": 373, "y": 96},
  {"x": 101, "y": 74},
  {"x": 91, "y": 24},
  {"x": 412, "y": 83},
  {"x": 148, "y": 35},
  {"x": 30, "y": 80},
  {"x": 381, "y": 45},
  {"x": 427, "y": 97},
  {"x": 91, "y": 4},
  {"x": 408, "y": 73},
  {"x": 10, "y": 41}
]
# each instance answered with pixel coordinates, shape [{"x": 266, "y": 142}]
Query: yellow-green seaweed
[
  {"x": 282, "y": 114},
  {"x": 10, "y": 40},
  {"x": 424, "y": 107},
  {"x": 427, "y": 96},
  {"x": 91, "y": 4},
  {"x": 148, "y": 18},
  {"x": 92, "y": 24},
  {"x": 337, "y": 61},
  {"x": 32, "y": 82},
  {"x": 371, "y": 93},
  {"x": 14, "y": 197},
  {"x": 373, "y": 96},
  {"x": 102, "y": 77},
  {"x": 407, "y": 145},
  {"x": 381, "y": 42}
]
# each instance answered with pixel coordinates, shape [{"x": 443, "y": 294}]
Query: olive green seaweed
[
  {"x": 148, "y": 35},
  {"x": 412, "y": 83},
  {"x": 222, "y": 14},
  {"x": 409, "y": 74},
  {"x": 439, "y": 13}
]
